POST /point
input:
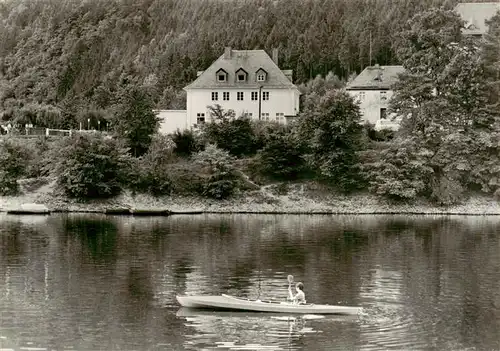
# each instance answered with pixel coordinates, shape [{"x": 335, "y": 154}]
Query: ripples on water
[
  {"x": 261, "y": 332},
  {"x": 109, "y": 283}
]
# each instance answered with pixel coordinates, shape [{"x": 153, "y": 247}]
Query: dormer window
[
  {"x": 261, "y": 75},
  {"x": 241, "y": 75},
  {"x": 221, "y": 75}
]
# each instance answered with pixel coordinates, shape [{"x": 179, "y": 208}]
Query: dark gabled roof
[
  {"x": 475, "y": 15},
  {"x": 261, "y": 69},
  {"x": 241, "y": 69},
  {"x": 220, "y": 69},
  {"x": 376, "y": 78},
  {"x": 250, "y": 61}
]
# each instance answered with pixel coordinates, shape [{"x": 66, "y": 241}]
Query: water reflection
[
  {"x": 98, "y": 236},
  {"x": 253, "y": 331},
  {"x": 96, "y": 282}
]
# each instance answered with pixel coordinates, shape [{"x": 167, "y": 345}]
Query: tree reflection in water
[{"x": 97, "y": 235}]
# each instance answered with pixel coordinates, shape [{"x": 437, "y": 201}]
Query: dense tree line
[{"x": 60, "y": 59}]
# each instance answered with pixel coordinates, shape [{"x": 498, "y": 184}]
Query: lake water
[{"x": 95, "y": 282}]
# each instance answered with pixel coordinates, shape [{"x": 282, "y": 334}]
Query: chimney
[
  {"x": 227, "y": 53},
  {"x": 288, "y": 73},
  {"x": 275, "y": 56}
]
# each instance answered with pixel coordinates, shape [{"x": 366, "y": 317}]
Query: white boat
[
  {"x": 227, "y": 302},
  {"x": 209, "y": 314}
]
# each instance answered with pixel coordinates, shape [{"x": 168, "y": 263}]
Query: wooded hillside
[{"x": 61, "y": 56}]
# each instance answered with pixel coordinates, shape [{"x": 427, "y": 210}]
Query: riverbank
[{"x": 278, "y": 198}]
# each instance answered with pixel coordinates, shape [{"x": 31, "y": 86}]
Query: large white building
[
  {"x": 249, "y": 82},
  {"x": 373, "y": 89}
]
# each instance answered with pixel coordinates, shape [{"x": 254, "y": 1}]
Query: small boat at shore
[{"x": 228, "y": 302}]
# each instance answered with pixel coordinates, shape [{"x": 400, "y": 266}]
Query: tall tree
[
  {"x": 446, "y": 120},
  {"x": 425, "y": 49},
  {"x": 490, "y": 56},
  {"x": 135, "y": 121},
  {"x": 330, "y": 128}
]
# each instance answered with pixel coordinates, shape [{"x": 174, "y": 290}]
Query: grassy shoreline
[{"x": 267, "y": 200}]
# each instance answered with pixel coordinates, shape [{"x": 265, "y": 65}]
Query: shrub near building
[
  {"x": 282, "y": 156},
  {"x": 229, "y": 133}
]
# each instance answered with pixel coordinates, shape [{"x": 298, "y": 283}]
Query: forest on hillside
[{"x": 59, "y": 58}]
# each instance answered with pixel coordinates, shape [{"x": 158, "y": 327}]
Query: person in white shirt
[{"x": 300, "y": 297}]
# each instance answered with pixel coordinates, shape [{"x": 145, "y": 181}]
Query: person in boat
[{"x": 300, "y": 297}]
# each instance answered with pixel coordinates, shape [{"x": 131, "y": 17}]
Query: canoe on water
[
  {"x": 206, "y": 314},
  {"x": 227, "y": 302}
]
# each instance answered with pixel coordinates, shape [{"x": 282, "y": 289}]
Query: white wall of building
[
  {"x": 171, "y": 120},
  {"x": 282, "y": 101},
  {"x": 371, "y": 101}
]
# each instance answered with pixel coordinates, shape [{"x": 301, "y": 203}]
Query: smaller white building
[
  {"x": 475, "y": 15},
  {"x": 171, "y": 120},
  {"x": 373, "y": 89}
]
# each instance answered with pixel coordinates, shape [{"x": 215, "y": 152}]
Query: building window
[
  {"x": 280, "y": 117},
  {"x": 241, "y": 77},
  {"x": 255, "y": 95},
  {"x": 265, "y": 95},
  {"x": 265, "y": 116},
  {"x": 261, "y": 77},
  {"x": 215, "y": 96},
  {"x": 200, "y": 118},
  {"x": 383, "y": 96},
  {"x": 383, "y": 113},
  {"x": 247, "y": 115},
  {"x": 361, "y": 96},
  {"x": 221, "y": 77},
  {"x": 225, "y": 96},
  {"x": 239, "y": 96}
]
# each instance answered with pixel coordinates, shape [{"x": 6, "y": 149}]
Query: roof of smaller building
[
  {"x": 376, "y": 78},
  {"x": 475, "y": 14},
  {"x": 251, "y": 61}
]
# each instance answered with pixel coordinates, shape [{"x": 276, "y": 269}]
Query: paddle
[{"x": 290, "y": 282}]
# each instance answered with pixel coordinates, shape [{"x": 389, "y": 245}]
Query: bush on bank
[
  {"x": 14, "y": 160},
  {"x": 282, "y": 156},
  {"x": 149, "y": 172},
  {"x": 222, "y": 181},
  {"x": 186, "y": 143},
  {"x": 92, "y": 166}
]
